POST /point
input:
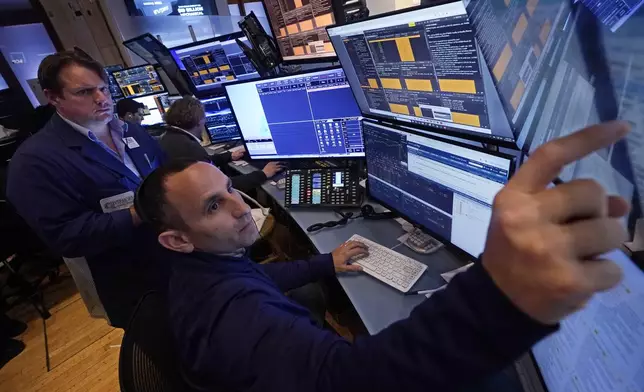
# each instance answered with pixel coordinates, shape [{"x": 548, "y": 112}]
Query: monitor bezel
[
  {"x": 139, "y": 37},
  {"x": 215, "y": 96},
  {"x": 329, "y": 59},
  {"x": 334, "y": 68},
  {"x": 452, "y": 247},
  {"x": 482, "y": 138},
  {"x": 193, "y": 89},
  {"x": 165, "y": 88}
]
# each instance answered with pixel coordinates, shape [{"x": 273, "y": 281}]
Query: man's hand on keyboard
[
  {"x": 345, "y": 252},
  {"x": 543, "y": 242}
]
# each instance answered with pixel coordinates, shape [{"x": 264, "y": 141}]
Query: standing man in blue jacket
[
  {"x": 236, "y": 331},
  {"x": 74, "y": 181}
]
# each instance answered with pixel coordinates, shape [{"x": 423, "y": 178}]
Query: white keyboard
[{"x": 388, "y": 266}]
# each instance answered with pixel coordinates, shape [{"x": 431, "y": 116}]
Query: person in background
[
  {"x": 130, "y": 111},
  {"x": 186, "y": 121},
  {"x": 73, "y": 183},
  {"x": 235, "y": 330}
]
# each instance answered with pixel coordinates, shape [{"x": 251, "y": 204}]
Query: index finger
[{"x": 548, "y": 160}]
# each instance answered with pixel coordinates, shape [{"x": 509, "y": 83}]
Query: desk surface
[{"x": 378, "y": 304}]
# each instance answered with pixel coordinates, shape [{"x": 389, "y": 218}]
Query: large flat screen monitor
[
  {"x": 299, "y": 28},
  {"x": 208, "y": 64},
  {"x": 220, "y": 122},
  {"x": 150, "y": 49},
  {"x": 423, "y": 68},
  {"x": 444, "y": 186},
  {"x": 308, "y": 115},
  {"x": 139, "y": 81},
  {"x": 574, "y": 64},
  {"x": 560, "y": 68},
  {"x": 171, "y": 7},
  {"x": 601, "y": 348}
]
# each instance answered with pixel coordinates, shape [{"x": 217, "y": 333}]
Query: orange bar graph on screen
[
  {"x": 466, "y": 119},
  {"x": 457, "y": 86},
  {"x": 391, "y": 83},
  {"x": 502, "y": 63},
  {"x": 419, "y": 84},
  {"x": 404, "y": 49},
  {"x": 519, "y": 90},
  {"x": 397, "y": 108}
]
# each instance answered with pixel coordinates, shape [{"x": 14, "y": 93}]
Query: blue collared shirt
[{"x": 118, "y": 129}]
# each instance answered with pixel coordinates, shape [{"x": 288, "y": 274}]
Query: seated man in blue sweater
[{"x": 235, "y": 330}]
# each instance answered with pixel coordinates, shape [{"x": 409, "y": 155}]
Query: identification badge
[
  {"x": 117, "y": 202},
  {"x": 131, "y": 143}
]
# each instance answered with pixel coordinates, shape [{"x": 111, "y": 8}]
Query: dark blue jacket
[
  {"x": 56, "y": 181},
  {"x": 235, "y": 329}
]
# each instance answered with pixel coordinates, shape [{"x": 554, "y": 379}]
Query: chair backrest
[{"x": 148, "y": 361}]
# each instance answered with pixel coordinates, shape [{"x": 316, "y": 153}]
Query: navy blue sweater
[{"x": 235, "y": 330}]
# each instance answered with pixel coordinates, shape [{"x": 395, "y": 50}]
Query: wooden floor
[{"x": 83, "y": 352}]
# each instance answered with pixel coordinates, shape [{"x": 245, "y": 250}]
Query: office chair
[{"x": 148, "y": 361}]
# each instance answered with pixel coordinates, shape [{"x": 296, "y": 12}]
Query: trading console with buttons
[{"x": 336, "y": 187}]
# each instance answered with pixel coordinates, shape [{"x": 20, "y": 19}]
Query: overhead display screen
[
  {"x": 171, "y": 7},
  {"x": 299, "y": 27}
]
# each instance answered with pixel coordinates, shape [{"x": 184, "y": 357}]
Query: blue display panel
[
  {"x": 308, "y": 115},
  {"x": 220, "y": 122}
]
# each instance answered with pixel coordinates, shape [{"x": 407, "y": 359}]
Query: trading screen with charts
[
  {"x": 553, "y": 80},
  {"x": 299, "y": 27},
  {"x": 210, "y": 64},
  {"x": 139, "y": 81},
  {"x": 423, "y": 67},
  {"x": 309, "y": 115},
  {"x": 115, "y": 90},
  {"x": 446, "y": 188},
  {"x": 220, "y": 122}
]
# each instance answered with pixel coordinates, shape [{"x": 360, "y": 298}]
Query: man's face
[
  {"x": 137, "y": 117},
  {"x": 215, "y": 218},
  {"x": 85, "y": 97}
]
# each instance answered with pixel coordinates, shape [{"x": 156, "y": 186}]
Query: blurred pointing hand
[{"x": 542, "y": 243}]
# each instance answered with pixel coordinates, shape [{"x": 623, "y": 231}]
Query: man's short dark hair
[
  {"x": 128, "y": 105},
  {"x": 52, "y": 65},
  {"x": 185, "y": 113},
  {"x": 151, "y": 202}
]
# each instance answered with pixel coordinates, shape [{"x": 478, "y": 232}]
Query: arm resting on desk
[
  {"x": 290, "y": 275},
  {"x": 222, "y": 159},
  {"x": 457, "y": 337}
]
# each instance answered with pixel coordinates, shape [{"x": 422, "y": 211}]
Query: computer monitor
[
  {"x": 115, "y": 90},
  {"x": 154, "y": 52},
  {"x": 208, "y": 64},
  {"x": 600, "y": 348},
  {"x": 444, "y": 186},
  {"x": 165, "y": 101},
  {"x": 299, "y": 28},
  {"x": 560, "y": 68},
  {"x": 422, "y": 67},
  {"x": 153, "y": 109},
  {"x": 220, "y": 122},
  {"x": 307, "y": 115},
  {"x": 139, "y": 81}
]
